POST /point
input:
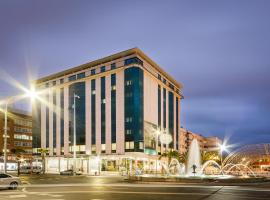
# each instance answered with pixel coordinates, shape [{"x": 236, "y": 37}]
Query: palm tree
[
  {"x": 170, "y": 155},
  {"x": 43, "y": 153},
  {"x": 209, "y": 155},
  {"x": 183, "y": 157},
  {"x": 18, "y": 153}
]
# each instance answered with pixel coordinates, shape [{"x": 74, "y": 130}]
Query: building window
[
  {"x": 171, "y": 116},
  {"x": 171, "y": 86},
  {"x": 164, "y": 81},
  {"x": 133, "y": 106},
  {"x": 159, "y": 77},
  {"x": 103, "y": 69},
  {"x": 159, "y": 106},
  {"x": 81, "y": 75},
  {"x": 113, "y": 108},
  {"x": 113, "y": 66},
  {"x": 129, "y": 82},
  {"x": 133, "y": 60},
  {"x": 72, "y": 78},
  {"x": 93, "y": 71},
  {"x": 103, "y": 109},
  {"x": 54, "y": 82},
  {"x": 93, "y": 113},
  {"x": 113, "y": 146},
  {"x": 164, "y": 108},
  {"x": 78, "y": 89},
  {"x": 61, "y": 80},
  {"x": 129, "y": 145}
]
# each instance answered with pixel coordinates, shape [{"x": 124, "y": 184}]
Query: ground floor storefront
[{"x": 129, "y": 163}]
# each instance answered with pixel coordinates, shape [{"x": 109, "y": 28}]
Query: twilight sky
[{"x": 219, "y": 51}]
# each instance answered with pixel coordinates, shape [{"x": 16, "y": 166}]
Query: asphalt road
[{"x": 57, "y": 187}]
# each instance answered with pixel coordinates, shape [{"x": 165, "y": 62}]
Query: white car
[{"x": 9, "y": 181}]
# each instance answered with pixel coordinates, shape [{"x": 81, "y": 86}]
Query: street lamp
[{"x": 74, "y": 131}]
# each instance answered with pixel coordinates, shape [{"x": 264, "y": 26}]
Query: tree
[
  {"x": 183, "y": 157},
  {"x": 43, "y": 153},
  {"x": 170, "y": 155},
  {"x": 210, "y": 155},
  {"x": 18, "y": 153}
]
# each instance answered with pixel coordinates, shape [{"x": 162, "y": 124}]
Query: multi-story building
[
  {"x": 19, "y": 131},
  {"x": 205, "y": 143},
  {"x": 121, "y": 102}
]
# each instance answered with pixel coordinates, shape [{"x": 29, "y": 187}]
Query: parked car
[
  {"x": 67, "y": 172},
  {"x": 70, "y": 172},
  {"x": 8, "y": 181}
]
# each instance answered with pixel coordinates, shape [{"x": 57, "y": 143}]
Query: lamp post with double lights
[{"x": 74, "y": 131}]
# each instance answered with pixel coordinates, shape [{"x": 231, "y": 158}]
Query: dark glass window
[
  {"x": 113, "y": 108},
  {"x": 81, "y": 75},
  {"x": 164, "y": 81},
  {"x": 133, "y": 60},
  {"x": 61, "y": 80},
  {"x": 171, "y": 86},
  {"x": 62, "y": 117},
  {"x": 159, "y": 106},
  {"x": 93, "y": 112},
  {"x": 72, "y": 78},
  {"x": 54, "y": 119},
  {"x": 47, "y": 123},
  {"x": 93, "y": 71},
  {"x": 164, "y": 108},
  {"x": 177, "y": 123},
  {"x": 159, "y": 77},
  {"x": 171, "y": 116},
  {"x": 54, "y": 82},
  {"x": 78, "y": 89},
  {"x": 103, "y": 110},
  {"x": 113, "y": 66},
  {"x": 134, "y": 107},
  {"x": 36, "y": 125},
  {"x": 103, "y": 69}
]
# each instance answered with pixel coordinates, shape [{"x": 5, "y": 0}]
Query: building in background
[
  {"x": 128, "y": 112},
  {"x": 19, "y": 130},
  {"x": 205, "y": 143}
]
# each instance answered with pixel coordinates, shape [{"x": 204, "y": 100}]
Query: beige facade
[{"x": 205, "y": 143}]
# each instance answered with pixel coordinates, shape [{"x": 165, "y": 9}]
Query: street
[{"x": 57, "y": 187}]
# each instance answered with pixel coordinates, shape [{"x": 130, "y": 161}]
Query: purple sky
[{"x": 219, "y": 50}]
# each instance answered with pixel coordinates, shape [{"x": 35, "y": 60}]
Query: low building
[
  {"x": 205, "y": 143},
  {"x": 19, "y": 131}
]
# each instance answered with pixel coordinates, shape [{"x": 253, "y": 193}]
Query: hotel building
[{"x": 127, "y": 113}]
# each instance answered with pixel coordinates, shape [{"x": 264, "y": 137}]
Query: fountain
[{"x": 194, "y": 159}]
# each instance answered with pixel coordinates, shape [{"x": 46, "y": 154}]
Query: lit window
[
  {"x": 93, "y": 91},
  {"x": 103, "y": 101},
  {"x": 141, "y": 145},
  {"x": 129, "y": 82},
  {"x": 113, "y": 87},
  {"x": 103, "y": 147},
  {"x": 113, "y": 146}
]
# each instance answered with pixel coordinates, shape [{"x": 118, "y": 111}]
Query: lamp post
[
  {"x": 28, "y": 93},
  {"x": 74, "y": 131},
  {"x": 5, "y": 138}
]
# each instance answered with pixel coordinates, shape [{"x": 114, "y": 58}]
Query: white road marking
[{"x": 17, "y": 196}]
